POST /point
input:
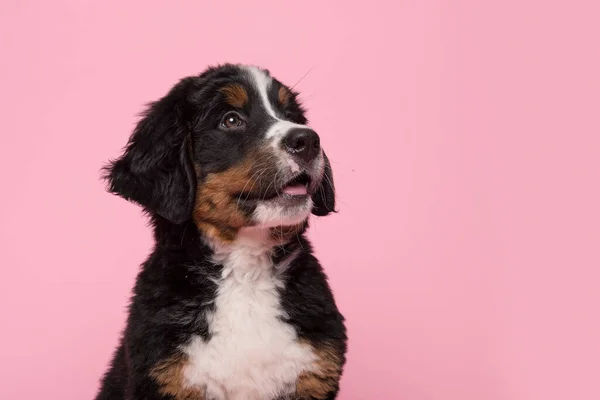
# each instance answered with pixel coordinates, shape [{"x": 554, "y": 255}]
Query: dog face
[{"x": 230, "y": 149}]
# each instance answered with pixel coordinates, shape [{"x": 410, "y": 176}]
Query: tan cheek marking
[
  {"x": 284, "y": 95},
  {"x": 223, "y": 234},
  {"x": 217, "y": 213},
  {"x": 318, "y": 384},
  {"x": 169, "y": 374},
  {"x": 235, "y": 95}
]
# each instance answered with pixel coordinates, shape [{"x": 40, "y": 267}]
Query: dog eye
[{"x": 232, "y": 120}]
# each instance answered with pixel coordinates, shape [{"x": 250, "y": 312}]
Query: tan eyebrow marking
[
  {"x": 284, "y": 95},
  {"x": 235, "y": 95}
]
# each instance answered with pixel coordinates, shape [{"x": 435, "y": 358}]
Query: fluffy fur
[{"x": 231, "y": 304}]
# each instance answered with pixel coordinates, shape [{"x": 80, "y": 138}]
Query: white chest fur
[{"x": 252, "y": 354}]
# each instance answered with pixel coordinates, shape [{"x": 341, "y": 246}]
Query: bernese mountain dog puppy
[{"x": 231, "y": 304}]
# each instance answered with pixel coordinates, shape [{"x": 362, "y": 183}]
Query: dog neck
[
  {"x": 276, "y": 244},
  {"x": 256, "y": 251},
  {"x": 256, "y": 239}
]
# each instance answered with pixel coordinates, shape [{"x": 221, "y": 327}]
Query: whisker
[
  {"x": 259, "y": 172},
  {"x": 301, "y": 79},
  {"x": 308, "y": 98},
  {"x": 272, "y": 182},
  {"x": 299, "y": 241},
  {"x": 249, "y": 179},
  {"x": 259, "y": 176}
]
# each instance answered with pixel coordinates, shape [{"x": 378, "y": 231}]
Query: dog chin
[{"x": 282, "y": 211}]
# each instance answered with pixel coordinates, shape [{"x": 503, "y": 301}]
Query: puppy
[{"x": 231, "y": 304}]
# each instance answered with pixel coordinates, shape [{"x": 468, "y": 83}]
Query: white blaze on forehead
[{"x": 262, "y": 83}]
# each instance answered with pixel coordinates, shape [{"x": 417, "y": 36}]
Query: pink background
[{"x": 465, "y": 140}]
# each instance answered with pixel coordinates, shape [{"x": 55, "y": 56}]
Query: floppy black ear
[
  {"x": 156, "y": 170},
  {"x": 324, "y": 197}
]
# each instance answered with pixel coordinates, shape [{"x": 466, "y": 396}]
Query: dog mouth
[{"x": 297, "y": 186}]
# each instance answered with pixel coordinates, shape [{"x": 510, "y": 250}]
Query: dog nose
[{"x": 303, "y": 143}]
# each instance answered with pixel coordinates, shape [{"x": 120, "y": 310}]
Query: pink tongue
[{"x": 296, "y": 190}]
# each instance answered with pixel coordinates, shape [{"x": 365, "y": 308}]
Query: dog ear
[
  {"x": 156, "y": 170},
  {"x": 324, "y": 197}
]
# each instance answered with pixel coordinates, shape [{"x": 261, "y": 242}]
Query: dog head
[{"x": 230, "y": 149}]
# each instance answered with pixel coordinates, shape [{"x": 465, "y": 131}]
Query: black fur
[
  {"x": 324, "y": 196},
  {"x": 156, "y": 170},
  {"x": 171, "y": 150}
]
